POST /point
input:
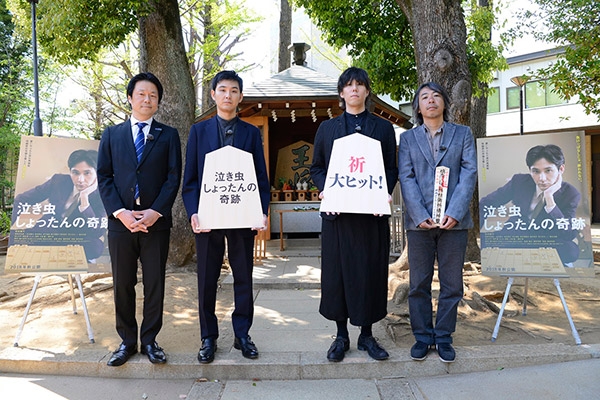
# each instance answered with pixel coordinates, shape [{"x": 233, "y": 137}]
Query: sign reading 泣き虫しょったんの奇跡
[{"x": 229, "y": 196}]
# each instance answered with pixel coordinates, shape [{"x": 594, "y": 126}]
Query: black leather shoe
[
  {"x": 337, "y": 349},
  {"x": 207, "y": 351},
  {"x": 247, "y": 347},
  {"x": 121, "y": 355},
  {"x": 369, "y": 344},
  {"x": 155, "y": 354}
]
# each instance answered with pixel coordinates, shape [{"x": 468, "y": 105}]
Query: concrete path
[{"x": 293, "y": 338}]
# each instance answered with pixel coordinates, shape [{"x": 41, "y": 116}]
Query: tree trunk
[
  {"x": 162, "y": 53},
  {"x": 285, "y": 35},
  {"x": 440, "y": 44},
  {"x": 211, "y": 61}
]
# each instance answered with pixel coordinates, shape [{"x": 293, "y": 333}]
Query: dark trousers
[
  {"x": 424, "y": 246},
  {"x": 152, "y": 250},
  {"x": 210, "y": 249}
]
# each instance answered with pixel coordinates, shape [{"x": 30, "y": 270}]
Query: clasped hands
[
  {"x": 138, "y": 220},
  {"x": 447, "y": 223}
]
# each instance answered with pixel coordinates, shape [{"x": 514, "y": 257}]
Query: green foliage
[
  {"x": 574, "y": 24},
  {"x": 378, "y": 36},
  {"x": 5, "y": 222},
  {"x": 71, "y": 30},
  {"x": 484, "y": 57},
  {"x": 15, "y": 117}
]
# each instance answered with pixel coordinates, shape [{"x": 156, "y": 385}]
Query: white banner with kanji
[
  {"x": 356, "y": 177},
  {"x": 229, "y": 196}
]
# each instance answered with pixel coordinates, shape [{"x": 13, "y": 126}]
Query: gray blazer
[{"x": 417, "y": 173}]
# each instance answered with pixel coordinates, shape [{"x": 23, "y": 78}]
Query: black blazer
[{"x": 158, "y": 174}]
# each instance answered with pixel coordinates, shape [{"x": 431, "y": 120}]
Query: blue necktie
[{"x": 139, "y": 149}]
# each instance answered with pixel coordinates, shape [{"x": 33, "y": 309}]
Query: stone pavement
[{"x": 292, "y": 339}]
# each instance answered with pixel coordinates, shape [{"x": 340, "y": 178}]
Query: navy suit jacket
[
  {"x": 158, "y": 173},
  {"x": 204, "y": 138},
  {"x": 417, "y": 173}
]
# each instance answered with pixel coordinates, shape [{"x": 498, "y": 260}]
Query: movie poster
[
  {"x": 533, "y": 205},
  {"x": 58, "y": 223}
]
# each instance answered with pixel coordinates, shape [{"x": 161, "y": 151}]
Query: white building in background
[{"x": 543, "y": 109}]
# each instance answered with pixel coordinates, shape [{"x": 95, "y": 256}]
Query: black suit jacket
[{"x": 158, "y": 173}]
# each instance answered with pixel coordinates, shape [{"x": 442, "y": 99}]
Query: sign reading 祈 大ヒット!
[
  {"x": 356, "y": 177},
  {"x": 229, "y": 196}
]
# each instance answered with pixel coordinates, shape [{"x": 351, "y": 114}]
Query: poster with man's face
[
  {"x": 59, "y": 222},
  {"x": 533, "y": 205}
]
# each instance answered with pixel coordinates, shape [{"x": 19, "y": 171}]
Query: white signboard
[
  {"x": 229, "y": 196},
  {"x": 356, "y": 177}
]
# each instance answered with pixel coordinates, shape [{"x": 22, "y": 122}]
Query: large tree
[{"x": 574, "y": 24}]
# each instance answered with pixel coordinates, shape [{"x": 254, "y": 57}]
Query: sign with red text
[
  {"x": 356, "y": 177},
  {"x": 229, "y": 196}
]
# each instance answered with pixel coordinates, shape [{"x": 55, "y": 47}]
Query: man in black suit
[
  {"x": 139, "y": 171},
  {"x": 206, "y": 136}
]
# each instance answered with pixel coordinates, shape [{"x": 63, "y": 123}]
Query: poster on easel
[
  {"x": 533, "y": 205},
  {"x": 59, "y": 223}
]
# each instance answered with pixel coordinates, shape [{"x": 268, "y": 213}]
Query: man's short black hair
[
  {"x": 551, "y": 152},
  {"x": 145, "y": 76},
  {"x": 228, "y": 75},
  {"x": 436, "y": 88},
  {"x": 88, "y": 156},
  {"x": 353, "y": 74}
]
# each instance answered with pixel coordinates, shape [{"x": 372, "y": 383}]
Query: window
[
  {"x": 541, "y": 94},
  {"x": 493, "y": 101},
  {"x": 512, "y": 97}
]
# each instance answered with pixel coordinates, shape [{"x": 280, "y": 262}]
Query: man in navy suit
[
  {"x": 225, "y": 129},
  {"x": 76, "y": 207},
  {"x": 543, "y": 200},
  {"x": 435, "y": 142},
  {"x": 139, "y": 172}
]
